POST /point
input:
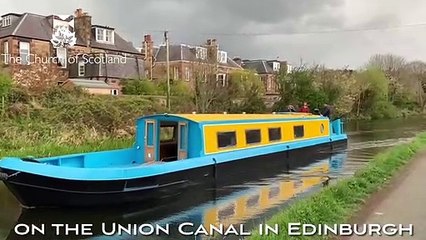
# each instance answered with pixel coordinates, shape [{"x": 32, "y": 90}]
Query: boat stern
[{"x": 338, "y": 136}]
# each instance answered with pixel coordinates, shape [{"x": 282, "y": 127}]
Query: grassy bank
[
  {"x": 338, "y": 203},
  {"x": 53, "y": 149},
  {"x": 62, "y": 121}
]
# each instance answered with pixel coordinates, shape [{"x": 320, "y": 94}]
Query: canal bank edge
[{"x": 346, "y": 200}]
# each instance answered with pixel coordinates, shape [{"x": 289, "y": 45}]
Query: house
[
  {"x": 110, "y": 68},
  {"x": 92, "y": 86},
  {"x": 29, "y": 42},
  {"x": 187, "y": 62},
  {"x": 268, "y": 71}
]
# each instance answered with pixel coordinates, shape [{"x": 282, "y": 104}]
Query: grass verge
[
  {"x": 338, "y": 203},
  {"x": 52, "y": 149}
]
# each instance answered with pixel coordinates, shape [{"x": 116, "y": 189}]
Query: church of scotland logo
[{"x": 62, "y": 37}]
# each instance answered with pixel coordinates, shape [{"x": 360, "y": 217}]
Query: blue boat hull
[{"x": 34, "y": 190}]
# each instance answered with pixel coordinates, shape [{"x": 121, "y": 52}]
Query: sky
[{"x": 307, "y": 31}]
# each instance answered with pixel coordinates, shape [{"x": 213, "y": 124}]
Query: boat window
[
  {"x": 226, "y": 139},
  {"x": 299, "y": 131},
  {"x": 167, "y": 133},
  {"x": 150, "y": 133},
  {"x": 274, "y": 134},
  {"x": 183, "y": 136},
  {"x": 253, "y": 136}
]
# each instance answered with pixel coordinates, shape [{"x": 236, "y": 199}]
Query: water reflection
[{"x": 226, "y": 206}]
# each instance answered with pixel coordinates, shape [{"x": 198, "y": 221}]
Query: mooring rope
[{"x": 5, "y": 176}]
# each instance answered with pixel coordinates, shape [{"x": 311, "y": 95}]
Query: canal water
[{"x": 250, "y": 203}]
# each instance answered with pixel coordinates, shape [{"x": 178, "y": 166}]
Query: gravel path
[{"x": 402, "y": 202}]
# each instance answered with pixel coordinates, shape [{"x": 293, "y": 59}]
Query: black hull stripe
[{"x": 107, "y": 192}]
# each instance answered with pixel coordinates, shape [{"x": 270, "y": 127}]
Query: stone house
[
  {"x": 268, "y": 71},
  {"x": 188, "y": 62},
  {"x": 27, "y": 51}
]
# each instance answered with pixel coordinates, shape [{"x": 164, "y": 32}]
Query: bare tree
[
  {"x": 388, "y": 63},
  {"x": 416, "y": 73},
  {"x": 207, "y": 88}
]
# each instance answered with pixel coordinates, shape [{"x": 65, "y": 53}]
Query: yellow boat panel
[
  {"x": 236, "y": 117},
  {"x": 312, "y": 129}
]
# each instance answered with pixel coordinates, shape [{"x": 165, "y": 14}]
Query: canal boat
[
  {"x": 172, "y": 152},
  {"x": 233, "y": 206}
]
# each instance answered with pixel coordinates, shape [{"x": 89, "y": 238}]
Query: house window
[
  {"x": 187, "y": 74},
  {"x": 24, "y": 52},
  {"x": 61, "y": 54},
  {"x": 299, "y": 131},
  {"x": 226, "y": 139},
  {"x": 221, "y": 79},
  {"x": 269, "y": 85},
  {"x": 274, "y": 134},
  {"x": 104, "y": 35},
  {"x": 289, "y": 68},
  {"x": 253, "y": 136},
  {"x": 6, "y": 52},
  {"x": 6, "y": 21},
  {"x": 201, "y": 53},
  {"x": 81, "y": 68},
  {"x": 222, "y": 57},
  {"x": 108, "y": 35},
  {"x": 99, "y": 34},
  {"x": 114, "y": 92},
  {"x": 276, "y": 66},
  {"x": 175, "y": 73}
]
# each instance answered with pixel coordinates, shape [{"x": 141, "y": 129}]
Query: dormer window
[
  {"x": 108, "y": 35},
  {"x": 100, "y": 34},
  {"x": 105, "y": 35},
  {"x": 276, "y": 66},
  {"x": 6, "y": 21},
  {"x": 222, "y": 57},
  {"x": 59, "y": 23},
  {"x": 289, "y": 68},
  {"x": 201, "y": 53}
]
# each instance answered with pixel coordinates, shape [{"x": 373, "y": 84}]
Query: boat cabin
[{"x": 172, "y": 137}]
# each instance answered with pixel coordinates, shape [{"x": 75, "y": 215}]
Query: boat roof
[{"x": 202, "y": 118}]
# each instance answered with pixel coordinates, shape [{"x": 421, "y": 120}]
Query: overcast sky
[{"x": 236, "y": 25}]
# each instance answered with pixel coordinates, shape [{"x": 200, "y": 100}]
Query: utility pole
[{"x": 166, "y": 39}]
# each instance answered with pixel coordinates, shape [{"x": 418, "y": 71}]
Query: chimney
[
  {"x": 83, "y": 25},
  {"x": 148, "y": 50},
  {"x": 212, "y": 50}
]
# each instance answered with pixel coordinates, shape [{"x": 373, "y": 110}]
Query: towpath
[{"x": 402, "y": 202}]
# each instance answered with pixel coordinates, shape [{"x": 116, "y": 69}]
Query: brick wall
[
  {"x": 42, "y": 72},
  {"x": 270, "y": 83}
]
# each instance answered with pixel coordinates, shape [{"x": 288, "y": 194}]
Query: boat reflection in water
[{"x": 249, "y": 203}]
